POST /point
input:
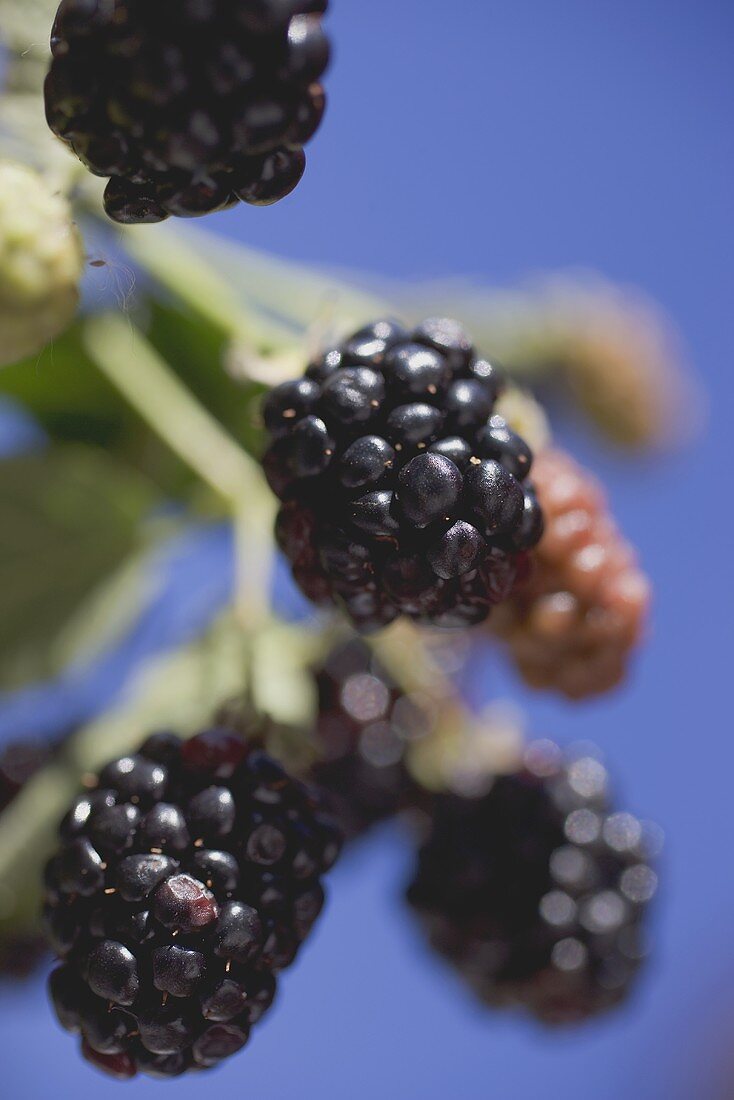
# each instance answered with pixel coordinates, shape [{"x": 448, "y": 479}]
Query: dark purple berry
[
  {"x": 191, "y": 113},
  {"x": 498, "y": 441},
  {"x": 112, "y": 828},
  {"x": 164, "y": 827},
  {"x": 310, "y": 448},
  {"x": 80, "y": 869},
  {"x": 138, "y": 876},
  {"x": 289, "y": 403},
  {"x": 211, "y": 813},
  {"x": 416, "y": 373},
  {"x": 530, "y": 530},
  {"x": 495, "y": 496},
  {"x": 107, "y": 1031},
  {"x": 365, "y": 462},
  {"x": 352, "y": 395},
  {"x": 374, "y": 513},
  {"x": 219, "y": 871},
  {"x": 413, "y": 425},
  {"x": 454, "y": 448},
  {"x": 218, "y": 1042},
  {"x": 184, "y": 904},
  {"x": 491, "y": 377},
  {"x": 215, "y": 752},
  {"x": 277, "y": 174},
  {"x": 112, "y": 973},
  {"x": 265, "y": 845},
  {"x": 457, "y": 551},
  {"x": 449, "y": 338},
  {"x": 120, "y": 1066},
  {"x": 138, "y": 780},
  {"x": 169, "y": 961},
  {"x": 239, "y": 933},
  {"x": 429, "y": 489},
  {"x": 468, "y": 405},
  {"x": 177, "y": 970},
  {"x": 167, "y": 1029},
  {"x": 133, "y": 203}
]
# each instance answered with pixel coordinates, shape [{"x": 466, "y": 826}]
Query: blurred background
[{"x": 501, "y": 143}]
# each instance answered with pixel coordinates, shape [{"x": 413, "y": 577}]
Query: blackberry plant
[
  {"x": 536, "y": 891},
  {"x": 187, "y": 877},
  {"x": 402, "y": 493},
  {"x": 188, "y": 106}
]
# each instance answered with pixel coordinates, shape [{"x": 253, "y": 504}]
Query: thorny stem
[{"x": 132, "y": 365}]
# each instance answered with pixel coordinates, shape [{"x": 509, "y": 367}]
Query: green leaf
[
  {"x": 74, "y": 403},
  {"x": 69, "y": 517}
]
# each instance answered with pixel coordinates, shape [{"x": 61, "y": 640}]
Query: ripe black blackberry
[
  {"x": 402, "y": 493},
  {"x": 364, "y": 726},
  {"x": 186, "y": 879},
  {"x": 536, "y": 892},
  {"x": 188, "y": 105}
]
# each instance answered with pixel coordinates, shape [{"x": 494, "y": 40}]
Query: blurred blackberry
[
  {"x": 402, "y": 493},
  {"x": 185, "y": 880},
  {"x": 365, "y": 724},
  {"x": 188, "y": 105},
  {"x": 536, "y": 891},
  {"x": 19, "y": 762},
  {"x": 20, "y": 950}
]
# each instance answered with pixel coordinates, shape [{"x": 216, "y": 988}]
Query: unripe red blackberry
[
  {"x": 188, "y": 105},
  {"x": 402, "y": 493},
  {"x": 185, "y": 880},
  {"x": 573, "y": 628},
  {"x": 364, "y": 728},
  {"x": 536, "y": 891}
]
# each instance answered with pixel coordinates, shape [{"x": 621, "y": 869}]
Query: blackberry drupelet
[
  {"x": 187, "y": 877},
  {"x": 402, "y": 493},
  {"x": 364, "y": 727},
  {"x": 536, "y": 891},
  {"x": 188, "y": 105}
]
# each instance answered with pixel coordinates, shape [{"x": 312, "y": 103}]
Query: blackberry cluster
[
  {"x": 186, "y": 879},
  {"x": 536, "y": 891},
  {"x": 574, "y": 626},
  {"x": 188, "y": 105},
  {"x": 364, "y": 726},
  {"x": 402, "y": 493}
]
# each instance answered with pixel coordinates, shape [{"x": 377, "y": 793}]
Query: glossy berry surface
[
  {"x": 188, "y": 108},
  {"x": 536, "y": 890},
  {"x": 403, "y": 493},
  {"x": 184, "y": 882}
]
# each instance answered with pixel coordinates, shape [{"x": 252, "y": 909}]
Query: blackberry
[
  {"x": 403, "y": 493},
  {"x": 364, "y": 728},
  {"x": 185, "y": 880},
  {"x": 188, "y": 107},
  {"x": 574, "y": 627},
  {"x": 536, "y": 891}
]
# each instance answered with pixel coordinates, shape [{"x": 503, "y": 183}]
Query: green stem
[
  {"x": 122, "y": 353},
  {"x": 185, "y": 271}
]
